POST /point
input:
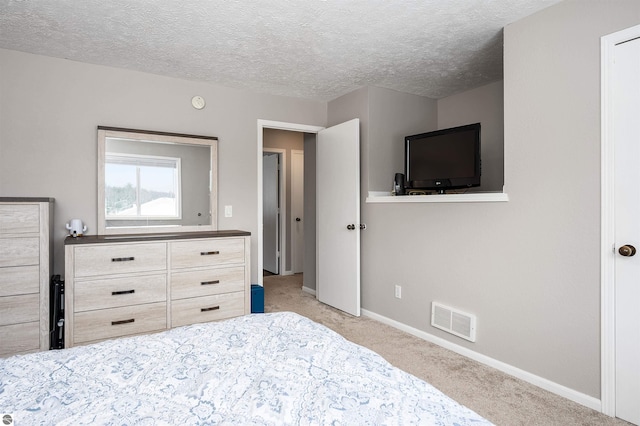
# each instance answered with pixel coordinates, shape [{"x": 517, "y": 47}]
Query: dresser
[
  {"x": 26, "y": 262},
  {"x": 121, "y": 285}
]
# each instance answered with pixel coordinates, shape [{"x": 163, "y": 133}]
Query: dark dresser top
[
  {"x": 126, "y": 238},
  {"x": 26, "y": 200}
]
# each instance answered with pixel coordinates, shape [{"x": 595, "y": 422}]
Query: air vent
[{"x": 453, "y": 321}]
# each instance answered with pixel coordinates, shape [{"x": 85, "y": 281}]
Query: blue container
[{"x": 257, "y": 299}]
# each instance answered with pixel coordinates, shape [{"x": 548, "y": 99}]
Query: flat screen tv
[{"x": 443, "y": 159}]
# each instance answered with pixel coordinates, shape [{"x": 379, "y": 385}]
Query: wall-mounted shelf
[{"x": 474, "y": 197}]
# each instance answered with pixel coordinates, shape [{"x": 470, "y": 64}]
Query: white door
[
  {"x": 338, "y": 216},
  {"x": 270, "y": 213},
  {"x": 297, "y": 210},
  {"x": 626, "y": 125}
]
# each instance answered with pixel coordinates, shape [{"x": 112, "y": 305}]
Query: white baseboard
[
  {"x": 558, "y": 389},
  {"x": 286, "y": 273},
  {"x": 309, "y": 290}
]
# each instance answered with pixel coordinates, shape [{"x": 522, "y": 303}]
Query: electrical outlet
[
  {"x": 228, "y": 211},
  {"x": 398, "y": 292}
]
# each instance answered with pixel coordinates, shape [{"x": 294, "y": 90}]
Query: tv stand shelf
[{"x": 474, "y": 197}]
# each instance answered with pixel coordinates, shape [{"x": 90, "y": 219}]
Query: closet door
[{"x": 626, "y": 93}]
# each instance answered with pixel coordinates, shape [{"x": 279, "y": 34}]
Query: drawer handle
[
  {"x": 214, "y": 308},
  {"x": 209, "y": 253},
  {"x": 122, "y": 259},
  {"x": 210, "y": 282},
  {"x": 129, "y": 321},
  {"x": 115, "y": 293}
]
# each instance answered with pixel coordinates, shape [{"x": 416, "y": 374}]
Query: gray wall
[
  {"x": 552, "y": 175},
  {"x": 529, "y": 268},
  {"x": 392, "y": 116},
  {"x": 354, "y": 105},
  {"x": 50, "y": 109},
  {"x": 287, "y": 140},
  {"x": 483, "y": 105}
]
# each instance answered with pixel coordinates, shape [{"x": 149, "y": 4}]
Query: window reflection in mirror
[
  {"x": 156, "y": 182},
  {"x": 140, "y": 187}
]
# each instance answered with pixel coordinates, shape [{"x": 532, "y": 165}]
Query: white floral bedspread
[{"x": 264, "y": 369}]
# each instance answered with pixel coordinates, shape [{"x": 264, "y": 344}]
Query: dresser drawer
[
  {"x": 17, "y": 338},
  {"x": 206, "y": 282},
  {"x": 19, "y": 218},
  {"x": 18, "y": 309},
  {"x": 214, "y": 252},
  {"x": 117, "y": 292},
  {"x": 117, "y": 322},
  {"x": 209, "y": 308},
  {"x": 110, "y": 259},
  {"x": 19, "y": 251},
  {"x": 20, "y": 280}
]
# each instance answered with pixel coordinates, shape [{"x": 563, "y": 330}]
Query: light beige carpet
[{"x": 500, "y": 398}]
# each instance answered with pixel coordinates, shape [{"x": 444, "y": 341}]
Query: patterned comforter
[{"x": 264, "y": 369}]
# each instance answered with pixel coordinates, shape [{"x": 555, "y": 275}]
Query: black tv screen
[{"x": 443, "y": 159}]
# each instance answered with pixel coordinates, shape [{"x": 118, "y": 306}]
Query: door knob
[
  {"x": 298, "y": 219},
  {"x": 627, "y": 250},
  {"x": 351, "y": 227}
]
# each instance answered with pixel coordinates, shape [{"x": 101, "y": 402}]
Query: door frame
[
  {"x": 282, "y": 204},
  {"x": 607, "y": 225},
  {"x": 268, "y": 124}
]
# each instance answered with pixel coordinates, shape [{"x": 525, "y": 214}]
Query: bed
[{"x": 261, "y": 369}]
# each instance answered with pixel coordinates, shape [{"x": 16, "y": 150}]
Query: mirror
[{"x": 151, "y": 182}]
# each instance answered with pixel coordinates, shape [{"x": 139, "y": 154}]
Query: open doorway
[
  {"x": 273, "y": 136},
  {"x": 286, "y": 146},
  {"x": 329, "y": 242}
]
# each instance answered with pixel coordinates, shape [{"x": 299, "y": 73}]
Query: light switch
[{"x": 228, "y": 211}]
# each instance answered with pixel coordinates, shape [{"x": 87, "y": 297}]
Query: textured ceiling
[{"x": 302, "y": 48}]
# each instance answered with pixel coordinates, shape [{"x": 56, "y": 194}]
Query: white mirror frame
[{"x": 151, "y": 136}]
